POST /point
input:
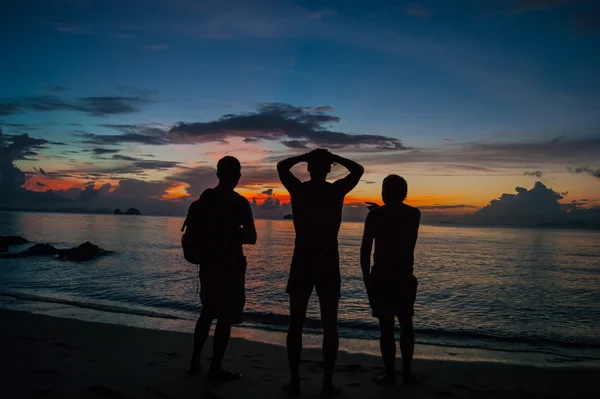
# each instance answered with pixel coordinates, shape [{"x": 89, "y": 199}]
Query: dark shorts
[
  {"x": 315, "y": 270},
  {"x": 392, "y": 294},
  {"x": 222, "y": 291}
]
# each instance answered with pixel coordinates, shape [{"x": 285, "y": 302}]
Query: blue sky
[{"x": 437, "y": 76}]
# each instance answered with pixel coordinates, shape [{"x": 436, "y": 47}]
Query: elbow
[
  {"x": 280, "y": 166},
  {"x": 252, "y": 238}
]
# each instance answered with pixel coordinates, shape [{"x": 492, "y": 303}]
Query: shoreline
[
  {"x": 359, "y": 346},
  {"x": 50, "y": 356}
]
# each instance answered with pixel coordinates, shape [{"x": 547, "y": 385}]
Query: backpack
[{"x": 191, "y": 241}]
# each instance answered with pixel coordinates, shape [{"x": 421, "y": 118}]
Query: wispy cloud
[
  {"x": 585, "y": 169},
  {"x": 94, "y": 106},
  {"x": 537, "y": 173}
]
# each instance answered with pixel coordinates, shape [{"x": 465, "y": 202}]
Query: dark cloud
[
  {"x": 124, "y": 158},
  {"x": 296, "y": 144},
  {"x": 40, "y": 184},
  {"x": 11, "y": 177},
  {"x": 57, "y": 143},
  {"x": 268, "y": 192},
  {"x": 156, "y": 165},
  {"x": 527, "y": 207},
  {"x": 103, "y": 151},
  {"x": 9, "y": 109},
  {"x": 585, "y": 169},
  {"x": 537, "y": 173},
  {"x": 279, "y": 122},
  {"x": 115, "y": 139},
  {"x": 95, "y": 106},
  {"x": 21, "y": 144},
  {"x": 294, "y": 127}
]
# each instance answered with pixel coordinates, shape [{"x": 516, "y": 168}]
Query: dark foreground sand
[{"x": 50, "y": 357}]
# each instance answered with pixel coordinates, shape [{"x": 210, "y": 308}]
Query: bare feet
[{"x": 194, "y": 368}]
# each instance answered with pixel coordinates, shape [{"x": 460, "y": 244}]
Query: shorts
[
  {"x": 223, "y": 292},
  {"x": 310, "y": 270},
  {"x": 392, "y": 294}
]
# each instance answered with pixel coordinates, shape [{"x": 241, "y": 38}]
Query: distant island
[
  {"x": 130, "y": 211},
  {"x": 289, "y": 216}
]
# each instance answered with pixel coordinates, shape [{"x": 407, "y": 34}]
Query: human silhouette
[
  {"x": 390, "y": 283},
  {"x": 317, "y": 209},
  {"x": 220, "y": 222}
]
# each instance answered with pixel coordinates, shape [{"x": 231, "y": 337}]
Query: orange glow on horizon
[{"x": 176, "y": 192}]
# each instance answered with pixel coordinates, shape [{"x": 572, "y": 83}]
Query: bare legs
[
  {"x": 387, "y": 344},
  {"x": 329, "y": 311},
  {"x": 200, "y": 335},
  {"x": 329, "y": 315},
  {"x": 407, "y": 347},
  {"x": 298, "y": 307},
  {"x": 220, "y": 342}
]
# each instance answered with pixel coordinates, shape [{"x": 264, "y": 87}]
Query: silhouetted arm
[
  {"x": 289, "y": 181},
  {"x": 418, "y": 220},
  {"x": 365, "y": 250},
  {"x": 356, "y": 171},
  {"x": 248, "y": 229}
]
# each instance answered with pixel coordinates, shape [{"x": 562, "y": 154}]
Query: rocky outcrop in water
[
  {"x": 7, "y": 241},
  {"x": 84, "y": 252},
  {"x": 130, "y": 211}
]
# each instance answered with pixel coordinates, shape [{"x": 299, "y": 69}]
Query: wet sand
[{"x": 47, "y": 357}]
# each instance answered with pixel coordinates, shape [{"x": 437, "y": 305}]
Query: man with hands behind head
[{"x": 317, "y": 212}]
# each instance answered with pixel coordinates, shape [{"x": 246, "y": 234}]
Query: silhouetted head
[
  {"x": 319, "y": 164},
  {"x": 229, "y": 172},
  {"x": 394, "y": 190}
]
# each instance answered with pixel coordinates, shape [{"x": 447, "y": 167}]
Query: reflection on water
[{"x": 489, "y": 287}]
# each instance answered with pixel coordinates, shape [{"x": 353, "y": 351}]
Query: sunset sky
[{"x": 132, "y": 102}]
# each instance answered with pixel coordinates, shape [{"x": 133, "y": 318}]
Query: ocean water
[{"x": 497, "y": 289}]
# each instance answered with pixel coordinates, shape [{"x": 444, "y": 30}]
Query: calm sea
[{"x": 499, "y": 289}]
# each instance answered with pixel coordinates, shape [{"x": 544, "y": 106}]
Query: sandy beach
[{"x": 53, "y": 357}]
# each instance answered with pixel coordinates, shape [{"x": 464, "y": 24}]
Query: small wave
[
  {"x": 357, "y": 329},
  {"x": 89, "y": 305}
]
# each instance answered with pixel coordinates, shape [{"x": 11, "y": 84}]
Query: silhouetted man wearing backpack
[
  {"x": 219, "y": 223},
  {"x": 317, "y": 213}
]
